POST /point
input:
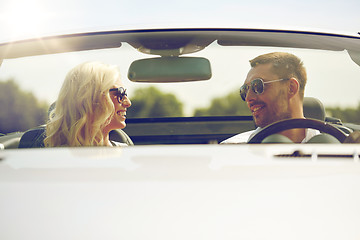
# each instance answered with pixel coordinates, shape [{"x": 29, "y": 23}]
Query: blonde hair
[{"x": 83, "y": 107}]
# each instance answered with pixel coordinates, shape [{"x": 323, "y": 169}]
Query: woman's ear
[{"x": 294, "y": 87}]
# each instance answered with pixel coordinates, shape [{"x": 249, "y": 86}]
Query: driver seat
[{"x": 313, "y": 108}]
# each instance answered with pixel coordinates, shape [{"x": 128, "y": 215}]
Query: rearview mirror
[{"x": 170, "y": 69}]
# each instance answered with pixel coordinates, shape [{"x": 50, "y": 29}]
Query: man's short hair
[{"x": 285, "y": 65}]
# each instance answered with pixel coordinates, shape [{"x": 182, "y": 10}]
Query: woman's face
[{"x": 118, "y": 119}]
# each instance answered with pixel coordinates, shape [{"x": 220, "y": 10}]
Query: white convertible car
[{"x": 174, "y": 180}]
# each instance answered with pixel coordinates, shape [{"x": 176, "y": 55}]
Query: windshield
[{"x": 31, "y": 84}]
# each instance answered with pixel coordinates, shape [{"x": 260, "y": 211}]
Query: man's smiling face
[{"x": 272, "y": 105}]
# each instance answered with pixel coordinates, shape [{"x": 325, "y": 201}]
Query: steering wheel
[{"x": 298, "y": 123}]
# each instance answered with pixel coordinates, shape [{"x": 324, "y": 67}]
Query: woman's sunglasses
[
  {"x": 257, "y": 86},
  {"x": 120, "y": 93}
]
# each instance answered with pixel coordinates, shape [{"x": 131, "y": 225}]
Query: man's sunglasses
[
  {"x": 257, "y": 86},
  {"x": 120, "y": 93}
]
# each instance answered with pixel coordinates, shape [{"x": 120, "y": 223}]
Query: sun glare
[{"x": 24, "y": 19}]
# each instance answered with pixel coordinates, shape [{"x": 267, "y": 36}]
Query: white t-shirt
[{"x": 246, "y": 136}]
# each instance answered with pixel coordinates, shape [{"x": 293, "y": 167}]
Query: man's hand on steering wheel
[{"x": 299, "y": 123}]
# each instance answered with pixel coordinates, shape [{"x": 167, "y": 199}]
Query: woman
[{"x": 91, "y": 103}]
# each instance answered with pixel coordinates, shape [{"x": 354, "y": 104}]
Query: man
[{"x": 274, "y": 91}]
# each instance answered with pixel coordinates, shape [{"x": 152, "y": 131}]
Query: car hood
[{"x": 181, "y": 192}]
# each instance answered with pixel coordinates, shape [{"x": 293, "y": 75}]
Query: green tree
[
  {"x": 151, "y": 102},
  {"x": 20, "y": 110},
  {"x": 347, "y": 115},
  {"x": 230, "y": 105}
]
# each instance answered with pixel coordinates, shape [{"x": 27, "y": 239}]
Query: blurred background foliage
[
  {"x": 151, "y": 102},
  {"x": 347, "y": 115},
  {"x": 230, "y": 105},
  {"x": 21, "y": 110}
]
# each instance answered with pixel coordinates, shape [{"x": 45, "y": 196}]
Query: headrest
[{"x": 313, "y": 108}]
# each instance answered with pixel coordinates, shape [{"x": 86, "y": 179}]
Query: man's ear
[{"x": 294, "y": 87}]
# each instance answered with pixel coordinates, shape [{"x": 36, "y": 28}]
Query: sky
[{"x": 33, "y": 18}]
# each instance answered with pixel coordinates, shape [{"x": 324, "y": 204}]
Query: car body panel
[
  {"x": 183, "y": 191},
  {"x": 199, "y": 191}
]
